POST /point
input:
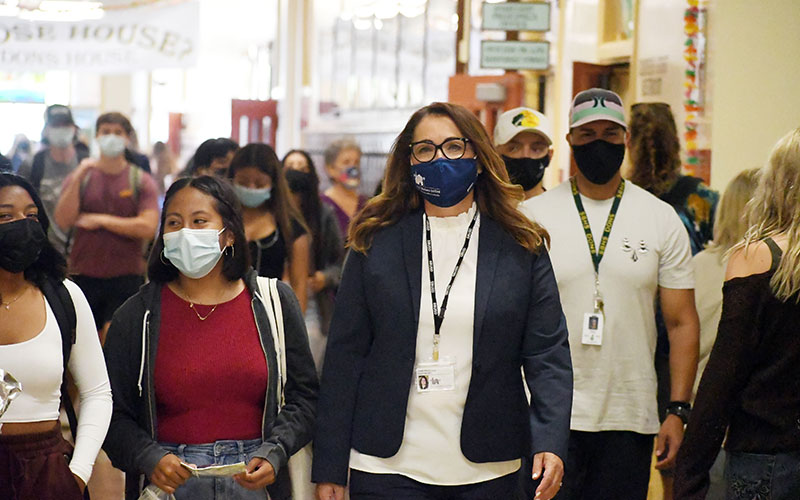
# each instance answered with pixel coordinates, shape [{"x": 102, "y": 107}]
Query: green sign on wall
[
  {"x": 515, "y": 55},
  {"x": 516, "y": 16}
]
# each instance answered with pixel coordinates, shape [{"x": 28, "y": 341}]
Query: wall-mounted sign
[
  {"x": 121, "y": 41},
  {"x": 516, "y": 16},
  {"x": 515, "y": 55}
]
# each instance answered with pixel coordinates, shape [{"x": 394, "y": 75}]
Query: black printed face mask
[
  {"x": 21, "y": 242},
  {"x": 599, "y": 160}
]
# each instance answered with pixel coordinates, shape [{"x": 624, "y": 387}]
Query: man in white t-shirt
[
  {"x": 639, "y": 252},
  {"x": 522, "y": 137}
]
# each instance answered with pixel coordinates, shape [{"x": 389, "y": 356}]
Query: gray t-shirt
[{"x": 50, "y": 191}]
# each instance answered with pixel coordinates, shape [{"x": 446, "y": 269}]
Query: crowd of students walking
[{"x": 482, "y": 338}]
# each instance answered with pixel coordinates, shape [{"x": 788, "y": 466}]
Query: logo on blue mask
[{"x": 445, "y": 182}]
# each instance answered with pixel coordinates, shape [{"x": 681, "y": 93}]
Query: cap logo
[
  {"x": 605, "y": 106},
  {"x": 526, "y": 119}
]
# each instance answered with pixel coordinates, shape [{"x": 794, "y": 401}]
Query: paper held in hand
[{"x": 216, "y": 470}]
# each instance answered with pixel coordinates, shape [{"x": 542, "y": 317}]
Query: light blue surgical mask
[
  {"x": 60, "y": 137},
  {"x": 111, "y": 145},
  {"x": 250, "y": 197},
  {"x": 194, "y": 252}
]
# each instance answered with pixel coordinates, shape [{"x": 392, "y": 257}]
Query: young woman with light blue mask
[
  {"x": 195, "y": 369},
  {"x": 279, "y": 241}
]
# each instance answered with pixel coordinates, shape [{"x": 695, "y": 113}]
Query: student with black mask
[
  {"x": 522, "y": 137},
  {"x": 327, "y": 248},
  {"x": 615, "y": 249},
  {"x": 46, "y": 331}
]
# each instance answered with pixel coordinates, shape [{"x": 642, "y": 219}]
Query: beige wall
[
  {"x": 660, "y": 69},
  {"x": 755, "y": 70}
]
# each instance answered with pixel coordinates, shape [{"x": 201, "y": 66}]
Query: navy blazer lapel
[
  {"x": 490, "y": 235},
  {"x": 412, "y": 255}
]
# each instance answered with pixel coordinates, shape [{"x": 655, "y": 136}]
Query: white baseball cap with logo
[{"x": 517, "y": 120}]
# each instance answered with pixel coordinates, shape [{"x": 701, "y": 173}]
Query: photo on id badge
[
  {"x": 592, "y": 328},
  {"x": 436, "y": 376}
]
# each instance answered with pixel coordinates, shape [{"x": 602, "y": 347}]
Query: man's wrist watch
[{"x": 680, "y": 409}]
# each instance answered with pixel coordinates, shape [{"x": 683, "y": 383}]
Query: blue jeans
[
  {"x": 218, "y": 453},
  {"x": 752, "y": 476}
]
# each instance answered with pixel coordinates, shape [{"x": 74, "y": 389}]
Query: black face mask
[
  {"x": 527, "y": 172},
  {"x": 21, "y": 242},
  {"x": 599, "y": 160},
  {"x": 299, "y": 181}
]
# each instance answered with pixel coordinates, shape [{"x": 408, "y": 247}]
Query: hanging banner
[{"x": 121, "y": 41}]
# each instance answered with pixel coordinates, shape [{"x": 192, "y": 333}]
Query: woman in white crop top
[{"x": 35, "y": 460}]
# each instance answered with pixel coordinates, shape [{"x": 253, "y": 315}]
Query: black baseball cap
[{"x": 58, "y": 115}]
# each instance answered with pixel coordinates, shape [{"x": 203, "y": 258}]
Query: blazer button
[{"x": 798, "y": 423}]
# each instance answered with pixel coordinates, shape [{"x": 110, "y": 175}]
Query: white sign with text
[{"x": 121, "y": 41}]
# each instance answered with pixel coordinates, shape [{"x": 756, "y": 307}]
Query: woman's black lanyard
[
  {"x": 597, "y": 253},
  {"x": 438, "y": 316}
]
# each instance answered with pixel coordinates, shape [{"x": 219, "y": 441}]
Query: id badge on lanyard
[
  {"x": 438, "y": 373},
  {"x": 436, "y": 376},
  {"x": 594, "y": 321}
]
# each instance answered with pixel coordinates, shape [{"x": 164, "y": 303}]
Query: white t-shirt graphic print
[{"x": 615, "y": 383}]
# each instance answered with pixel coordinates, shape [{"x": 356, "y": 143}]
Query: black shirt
[
  {"x": 751, "y": 385},
  {"x": 270, "y": 253}
]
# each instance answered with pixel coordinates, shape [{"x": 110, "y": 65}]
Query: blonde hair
[
  {"x": 731, "y": 224},
  {"x": 774, "y": 210},
  {"x": 494, "y": 194}
]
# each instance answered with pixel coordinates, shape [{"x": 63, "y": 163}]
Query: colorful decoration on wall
[{"x": 694, "y": 55}]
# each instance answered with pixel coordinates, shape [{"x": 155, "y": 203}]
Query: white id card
[
  {"x": 435, "y": 376},
  {"x": 592, "y": 329}
]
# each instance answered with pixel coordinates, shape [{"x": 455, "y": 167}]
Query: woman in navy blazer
[{"x": 405, "y": 420}]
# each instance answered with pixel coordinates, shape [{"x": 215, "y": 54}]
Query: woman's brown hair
[
  {"x": 495, "y": 196},
  {"x": 655, "y": 147}
]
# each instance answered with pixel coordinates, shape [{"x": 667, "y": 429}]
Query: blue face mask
[
  {"x": 445, "y": 182},
  {"x": 252, "y": 198}
]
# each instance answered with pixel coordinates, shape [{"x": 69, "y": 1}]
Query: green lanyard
[{"x": 597, "y": 253}]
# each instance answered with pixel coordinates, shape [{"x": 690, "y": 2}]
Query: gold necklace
[
  {"x": 202, "y": 318},
  {"x": 7, "y": 305},
  {"x": 191, "y": 306}
]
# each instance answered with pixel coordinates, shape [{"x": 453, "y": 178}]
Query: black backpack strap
[
  {"x": 37, "y": 170},
  {"x": 81, "y": 151},
  {"x": 776, "y": 252},
  {"x": 63, "y": 308}
]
